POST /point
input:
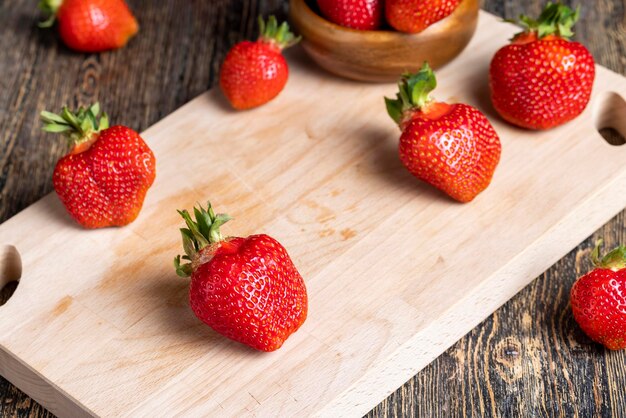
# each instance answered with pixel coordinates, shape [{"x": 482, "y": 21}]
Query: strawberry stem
[
  {"x": 556, "y": 19},
  {"x": 614, "y": 260},
  {"x": 280, "y": 36},
  {"x": 50, "y": 9},
  {"x": 78, "y": 127},
  {"x": 413, "y": 93},
  {"x": 199, "y": 234}
]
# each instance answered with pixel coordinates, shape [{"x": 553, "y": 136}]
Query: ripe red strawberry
[
  {"x": 542, "y": 80},
  {"x": 413, "y": 16},
  {"x": 246, "y": 289},
  {"x": 355, "y": 14},
  {"x": 254, "y": 73},
  {"x": 451, "y": 146},
  {"x": 91, "y": 25},
  {"x": 103, "y": 181},
  {"x": 598, "y": 299}
]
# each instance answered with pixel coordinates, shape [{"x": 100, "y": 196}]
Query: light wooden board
[{"x": 396, "y": 272}]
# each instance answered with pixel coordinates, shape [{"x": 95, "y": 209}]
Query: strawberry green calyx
[
  {"x": 414, "y": 94},
  {"x": 199, "y": 234},
  {"x": 50, "y": 9},
  {"x": 556, "y": 19},
  {"x": 614, "y": 260},
  {"x": 280, "y": 36},
  {"x": 78, "y": 127}
]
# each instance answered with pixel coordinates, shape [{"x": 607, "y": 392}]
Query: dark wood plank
[{"x": 528, "y": 358}]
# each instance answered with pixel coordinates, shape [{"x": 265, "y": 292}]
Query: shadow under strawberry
[
  {"x": 142, "y": 295},
  {"x": 49, "y": 39},
  {"x": 218, "y": 98},
  {"x": 179, "y": 322},
  {"x": 554, "y": 312},
  {"x": 481, "y": 95},
  {"x": 56, "y": 210},
  {"x": 306, "y": 67},
  {"x": 25, "y": 27},
  {"x": 383, "y": 159}
]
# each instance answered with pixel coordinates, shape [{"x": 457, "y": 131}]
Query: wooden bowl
[{"x": 382, "y": 55}]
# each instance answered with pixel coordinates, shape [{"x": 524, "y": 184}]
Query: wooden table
[{"x": 529, "y": 358}]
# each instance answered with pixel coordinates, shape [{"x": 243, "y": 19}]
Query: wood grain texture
[
  {"x": 466, "y": 380},
  {"x": 530, "y": 358}
]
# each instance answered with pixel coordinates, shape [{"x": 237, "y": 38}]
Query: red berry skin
[
  {"x": 253, "y": 73},
  {"x": 541, "y": 84},
  {"x": 413, "y": 16},
  {"x": 105, "y": 185},
  {"x": 355, "y": 14},
  {"x": 598, "y": 301},
  {"x": 249, "y": 291},
  {"x": 96, "y": 25},
  {"x": 452, "y": 147}
]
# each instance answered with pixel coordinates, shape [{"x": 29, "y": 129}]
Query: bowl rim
[{"x": 384, "y": 33}]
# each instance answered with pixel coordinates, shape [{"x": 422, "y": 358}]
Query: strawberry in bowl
[
  {"x": 355, "y": 14},
  {"x": 343, "y": 36},
  {"x": 414, "y": 16}
]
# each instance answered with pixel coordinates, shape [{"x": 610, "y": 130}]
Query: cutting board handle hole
[
  {"x": 610, "y": 118},
  {"x": 10, "y": 272}
]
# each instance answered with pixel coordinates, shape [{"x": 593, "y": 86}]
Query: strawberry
[
  {"x": 450, "y": 146},
  {"x": 91, "y": 25},
  {"x": 355, "y": 14},
  {"x": 413, "y": 16},
  {"x": 541, "y": 79},
  {"x": 598, "y": 299},
  {"x": 254, "y": 73},
  {"x": 103, "y": 180},
  {"x": 246, "y": 289}
]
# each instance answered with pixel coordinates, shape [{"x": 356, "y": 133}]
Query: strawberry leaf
[
  {"x": 104, "y": 122},
  {"x": 420, "y": 85},
  {"x": 51, "y": 117},
  {"x": 556, "y": 19},
  {"x": 95, "y": 108},
  {"x": 49, "y": 8},
  {"x": 189, "y": 245},
  {"x": 183, "y": 270},
  {"x": 614, "y": 260},
  {"x": 394, "y": 109},
  {"x": 199, "y": 234},
  {"x": 272, "y": 33},
  {"x": 214, "y": 234},
  {"x": 77, "y": 127},
  {"x": 198, "y": 239},
  {"x": 204, "y": 221},
  {"x": 56, "y": 128},
  {"x": 413, "y": 93}
]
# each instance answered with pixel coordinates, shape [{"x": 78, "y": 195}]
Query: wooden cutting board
[{"x": 396, "y": 271}]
